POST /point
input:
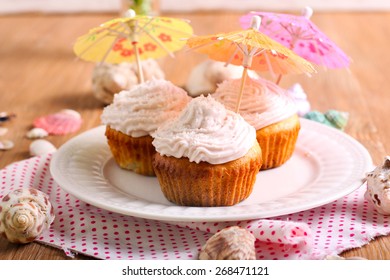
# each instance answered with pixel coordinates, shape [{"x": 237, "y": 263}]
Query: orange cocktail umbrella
[
  {"x": 251, "y": 49},
  {"x": 133, "y": 38}
]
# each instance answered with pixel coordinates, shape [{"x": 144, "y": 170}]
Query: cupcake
[
  {"x": 270, "y": 111},
  {"x": 207, "y": 156},
  {"x": 134, "y": 116}
]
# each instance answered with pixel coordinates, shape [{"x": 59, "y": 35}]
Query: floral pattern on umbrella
[{"x": 133, "y": 38}]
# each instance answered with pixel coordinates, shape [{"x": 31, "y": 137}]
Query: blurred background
[{"x": 60, "y": 6}]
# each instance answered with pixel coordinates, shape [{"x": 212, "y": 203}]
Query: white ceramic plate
[{"x": 327, "y": 164}]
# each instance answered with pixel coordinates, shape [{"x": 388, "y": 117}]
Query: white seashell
[
  {"x": 109, "y": 79},
  {"x": 41, "y": 147},
  {"x": 37, "y": 133},
  {"x": 3, "y": 131},
  {"x": 378, "y": 187},
  {"x": 232, "y": 243},
  {"x": 205, "y": 76},
  {"x": 25, "y": 214},
  {"x": 71, "y": 113},
  {"x": 299, "y": 98},
  {"x": 6, "y": 145}
]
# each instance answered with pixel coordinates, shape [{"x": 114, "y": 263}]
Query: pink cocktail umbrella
[{"x": 300, "y": 34}]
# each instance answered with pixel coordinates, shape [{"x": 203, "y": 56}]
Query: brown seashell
[
  {"x": 232, "y": 243},
  {"x": 378, "y": 187},
  {"x": 25, "y": 214},
  {"x": 109, "y": 79},
  {"x": 205, "y": 77}
]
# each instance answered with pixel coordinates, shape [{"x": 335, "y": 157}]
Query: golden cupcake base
[
  {"x": 131, "y": 153},
  {"x": 277, "y": 141},
  {"x": 202, "y": 184}
]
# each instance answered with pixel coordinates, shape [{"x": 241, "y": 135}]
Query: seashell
[
  {"x": 61, "y": 123},
  {"x": 318, "y": 117},
  {"x": 25, "y": 214},
  {"x": 3, "y": 131},
  {"x": 37, "y": 133},
  {"x": 41, "y": 147},
  {"x": 4, "y": 116},
  {"x": 299, "y": 98},
  {"x": 232, "y": 243},
  {"x": 109, "y": 79},
  {"x": 6, "y": 145},
  {"x": 205, "y": 76},
  {"x": 330, "y": 118},
  {"x": 378, "y": 187},
  {"x": 337, "y": 119}
]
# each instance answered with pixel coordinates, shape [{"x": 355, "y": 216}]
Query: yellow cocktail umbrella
[{"x": 133, "y": 38}]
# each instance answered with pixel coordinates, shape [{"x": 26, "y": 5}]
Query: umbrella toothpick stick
[
  {"x": 243, "y": 79},
  {"x": 279, "y": 79},
  {"x": 138, "y": 62},
  {"x": 133, "y": 28},
  {"x": 247, "y": 63},
  {"x": 248, "y": 56},
  {"x": 307, "y": 12}
]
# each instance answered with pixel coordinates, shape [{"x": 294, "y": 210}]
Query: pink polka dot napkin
[{"x": 82, "y": 228}]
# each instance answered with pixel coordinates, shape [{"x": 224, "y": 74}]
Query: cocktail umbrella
[
  {"x": 133, "y": 38},
  {"x": 251, "y": 49},
  {"x": 300, "y": 34}
]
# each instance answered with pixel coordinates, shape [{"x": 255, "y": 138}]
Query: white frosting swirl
[
  {"x": 141, "y": 110},
  {"x": 263, "y": 103},
  {"x": 205, "y": 131}
]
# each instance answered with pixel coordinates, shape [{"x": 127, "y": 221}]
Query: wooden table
[{"x": 40, "y": 75}]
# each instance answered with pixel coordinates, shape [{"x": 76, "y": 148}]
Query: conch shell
[
  {"x": 25, "y": 214},
  {"x": 378, "y": 187},
  {"x": 232, "y": 243}
]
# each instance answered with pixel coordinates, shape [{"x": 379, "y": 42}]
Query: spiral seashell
[
  {"x": 232, "y": 243},
  {"x": 337, "y": 119},
  {"x": 25, "y": 214},
  {"x": 378, "y": 187}
]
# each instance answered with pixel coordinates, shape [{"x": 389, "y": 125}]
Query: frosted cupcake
[
  {"x": 208, "y": 156},
  {"x": 270, "y": 111},
  {"x": 134, "y": 116}
]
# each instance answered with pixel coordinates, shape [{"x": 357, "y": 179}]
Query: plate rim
[{"x": 162, "y": 216}]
